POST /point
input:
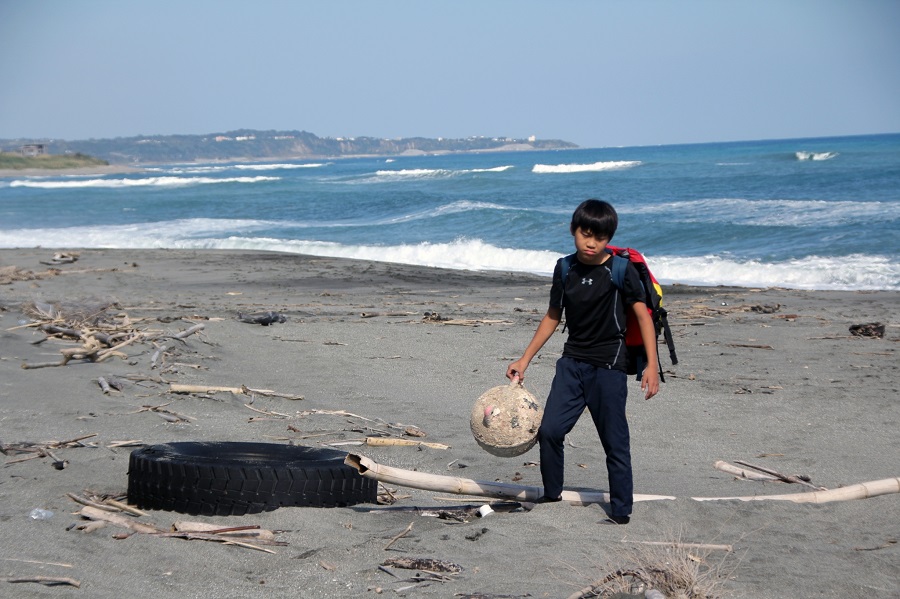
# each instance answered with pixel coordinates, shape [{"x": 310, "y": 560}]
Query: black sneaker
[
  {"x": 617, "y": 520},
  {"x": 546, "y": 499}
]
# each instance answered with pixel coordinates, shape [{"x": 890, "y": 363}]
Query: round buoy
[{"x": 505, "y": 420}]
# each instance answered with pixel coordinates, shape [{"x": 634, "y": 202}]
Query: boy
[{"x": 591, "y": 371}]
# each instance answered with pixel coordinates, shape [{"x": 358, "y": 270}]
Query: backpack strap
[
  {"x": 619, "y": 265},
  {"x": 565, "y": 264},
  {"x": 667, "y": 333}
]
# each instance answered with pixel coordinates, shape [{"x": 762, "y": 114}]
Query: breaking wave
[
  {"x": 142, "y": 182},
  {"x": 583, "y": 168},
  {"x": 853, "y": 272},
  {"x": 815, "y": 155},
  {"x": 426, "y": 173}
]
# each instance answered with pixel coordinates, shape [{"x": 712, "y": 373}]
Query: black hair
[{"x": 596, "y": 216}]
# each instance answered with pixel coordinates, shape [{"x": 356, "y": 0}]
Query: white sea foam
[
  {"x": 196, "y": 169},
  {"x": 815, "y": 155},
  {"x": 137, "y": 182},
  {"x": 854, "y": 272},
  {"x": 496, "y": 169},
  {"x": 582, "y": 168},
  {"x": 272, "y": 167},
  {"x": 793, "y": 213},
  {"x": 412, "y": 173},
  {"x": 189, "y": 170},
  {"x": 451, "y": 208},
  {"x": 422, "y": 173}
]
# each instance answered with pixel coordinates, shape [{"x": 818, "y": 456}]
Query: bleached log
[
  {"x": 466, "y": 486},
  {"x": 865, "y": 490}
]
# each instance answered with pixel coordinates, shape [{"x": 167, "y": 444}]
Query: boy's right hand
[{"x": 517, "y": 369}]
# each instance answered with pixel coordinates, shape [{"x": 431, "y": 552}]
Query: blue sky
[{"x": 597, "y": 73}]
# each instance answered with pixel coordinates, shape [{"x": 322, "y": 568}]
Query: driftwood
[
  {"x": 678, "y": 545},
  {"x": 217, "y": 534},
  {"x": 465, "y": 486},
  {"x": 741, "y": 473},
  {"x": 47, "y": 580},
  {"x": 180, "y": 388},
  {"x": 253, "y": 531},
  {"x": 398, "y": 536},
  {"x": 242, "y": 390},
  {"x": 865, "y": 490},
  {"x": 32, "y": 561},
  {"x": 125, "y": 507},
  {"x": 104, "y": 385},
  {"x": 92, "y": 350},
  {"x": 204, "y": 536},
  {"x": 93, "y": 504},
  {"x": 869, "y": 329},
  {"x": 101, "y": 335},
  {"x": 61, "y": 258},
  {"x": 263, "y": 318},
  {"x": 92, "y": 513},
  {"x": 126, "y": 443},
  {"x": 800, "y": 480},
  {"x": 426, "y": 564},
  {"x": 106, "y": 504},
  {"x": 189, "y": 331},
  {"x": 386, "y": 441},
  {"x": 43, "y": 450},
  {"x": 473, "y": 322}
]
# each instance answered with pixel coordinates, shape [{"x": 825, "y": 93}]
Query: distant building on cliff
[{"x": 32, "y": 150}]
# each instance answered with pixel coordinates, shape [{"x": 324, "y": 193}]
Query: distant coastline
[{"x": 260, "y": 146}]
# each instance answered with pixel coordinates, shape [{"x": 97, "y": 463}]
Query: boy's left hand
[{"x": 650, "y": 383}]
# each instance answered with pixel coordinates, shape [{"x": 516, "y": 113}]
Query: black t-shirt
[{"x": 595, "y": 312}]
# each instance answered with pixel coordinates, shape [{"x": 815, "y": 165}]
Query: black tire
[{"x": 232, "y": 479}]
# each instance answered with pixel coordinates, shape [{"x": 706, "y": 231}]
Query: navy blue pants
[{"x": 576, "y": 386}]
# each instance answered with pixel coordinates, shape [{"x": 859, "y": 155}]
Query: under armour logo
[{"x": 586, "y": 281}]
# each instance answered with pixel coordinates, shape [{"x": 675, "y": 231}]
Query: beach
[{"x": 771, "y": 377}]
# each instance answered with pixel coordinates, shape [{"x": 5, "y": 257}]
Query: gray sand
[{"x": 789, "y": 390}]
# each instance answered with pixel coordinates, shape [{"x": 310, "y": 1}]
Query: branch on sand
[
  {"x": 183, "y": 530},
  {"x": 242, "y": 390},
  {"x": 47, "y": 580}
]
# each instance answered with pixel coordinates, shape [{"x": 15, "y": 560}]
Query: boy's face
[{"x": 590, "y": 247}]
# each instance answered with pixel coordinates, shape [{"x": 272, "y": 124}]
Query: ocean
[{"x": 818, "y": 213}]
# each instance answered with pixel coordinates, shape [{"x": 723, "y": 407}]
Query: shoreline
[
  {"x": 768, "y": 376},
  {"x": 112, "y": 169}
]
